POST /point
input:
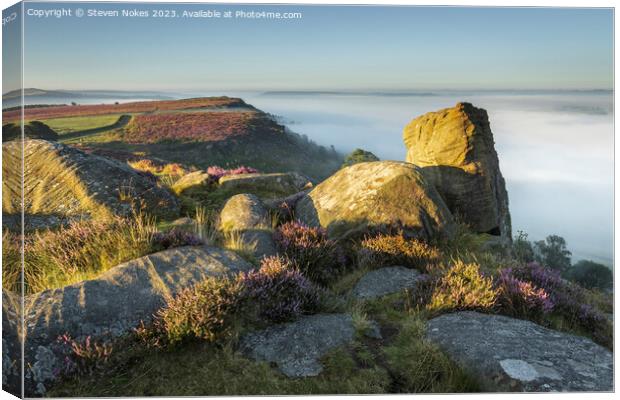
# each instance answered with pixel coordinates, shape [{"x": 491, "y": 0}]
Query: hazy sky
[{"x": 329, "y": 48}]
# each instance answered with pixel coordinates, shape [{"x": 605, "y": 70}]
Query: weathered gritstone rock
[
  {"x": 296, "y": 347},
  {"x": 63, "y": 183},
  {"x": 375, "y": 195},
  {"x": 276, "y": 184},
  {"x": 455, "y": 149},
  {"x": 246, "y": 215},
  {"x": 118, "y": 300},
  {"x": 193, "y": 181},
  {"x": 11, "y": 343},
  {"x": 508, "y": 354},
  {"x": 384, "y": 281}
]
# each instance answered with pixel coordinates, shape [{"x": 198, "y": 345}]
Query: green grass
[
  {"x": 67, "y": 125},
  {"x": 200, "y": 369}
]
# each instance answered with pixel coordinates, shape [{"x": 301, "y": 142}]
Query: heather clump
[
  {"x": 570, "y": 301},
  {"x": 395, "y": 249},
  {"x": 463, "y": 287},
  {"x": 80, "y": 357},
  {"x": 316, "y": 256},
  {"x": 216, "y": 172},
  {"x": 520, "y": 298},
  {"x": 278, "y": 291},
  {"x": 205, "y": 311},
  {"x": 175, "y": 238}
]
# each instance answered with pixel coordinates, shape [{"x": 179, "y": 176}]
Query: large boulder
[
  {"x": 247, "y": 216},
  {"x": 454, "y": 147},
  {"x": 117, "y": 301},
  {"x": 265, "y": 185},
  {"x": 378, "y": 194},
  {"x": 508, "y": 354},
  {"x": 62, "y": 183}
]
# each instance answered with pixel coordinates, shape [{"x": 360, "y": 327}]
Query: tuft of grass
[
  {"x": 385, "y": 250},
  {"x": 235, "y": 241},
  {"x": 419, "y": 366},
  {"x": 79, "y": 251}
]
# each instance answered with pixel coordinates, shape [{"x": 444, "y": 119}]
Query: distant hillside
[
  {"x": 198, "y": 132},
  {"x": 77, "y": 94}
]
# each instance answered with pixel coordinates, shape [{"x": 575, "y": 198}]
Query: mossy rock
[
  {"x": 192, "y": 183},
  {"x": 374, "y": 195}
]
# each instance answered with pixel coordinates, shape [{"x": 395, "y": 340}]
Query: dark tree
[
  {"x": 553, "y": 253},
  {"x": 590, "y": 275},
  {"x": 359, "y": 156},
  {"x": 522, "y": 248}
]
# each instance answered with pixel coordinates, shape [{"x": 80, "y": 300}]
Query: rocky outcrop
[
  {"x": 265, "y": 185},
  {"x": 374, "y": 195},
  {"x": 454, "y": 147},
  {"x": 247, "y": 216},
  {"x": 32, "y": 130},
  {"x": 62, "y": 183},
  {"x": 193, "y": 182},
  {"x": 507, "y": 354},
  {"x": 116, "y": 301},
  {"x": 384, "y": 281},
  {"x": 296, "y": 347}
]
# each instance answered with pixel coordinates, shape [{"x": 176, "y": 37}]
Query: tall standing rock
[{"x": 454, "y": 147}]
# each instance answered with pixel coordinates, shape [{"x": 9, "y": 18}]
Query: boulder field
[{"x": 452, "y": 169}]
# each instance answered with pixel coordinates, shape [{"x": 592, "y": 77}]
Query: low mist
[{"x": 555, "y": 150}]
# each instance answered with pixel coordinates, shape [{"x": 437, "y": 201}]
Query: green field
[{"x": 76, "y": 124}]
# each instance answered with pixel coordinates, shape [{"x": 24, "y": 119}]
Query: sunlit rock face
[
  {"x": 455, "y": 150},
  {"x": 375, "y": 195}
]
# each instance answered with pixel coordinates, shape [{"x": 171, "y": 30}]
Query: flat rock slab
[
  {"x": 296, "y": 347},
  {"x": 508, "y": 354},
  {"x": 279, "y": 184},
  {"x": 384, "y": 281}
]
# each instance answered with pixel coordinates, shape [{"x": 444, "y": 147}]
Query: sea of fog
[{"x": 556, "y": 149}]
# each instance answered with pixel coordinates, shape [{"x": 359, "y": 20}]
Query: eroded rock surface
[
  {"x": 374, "y": 195},
  {"x": 296, "y": 347},
  {"x": 384, "y": 281},
  {"x": 247, "y": 216},
  {"x": 508, "y": 354},
  {"x": 63, "y": 183},
  {"x": 118, "y": 300},
  {"x": 455, "y": 149}
]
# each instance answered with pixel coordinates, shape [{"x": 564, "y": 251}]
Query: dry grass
[{"x": 74, "y": 253}]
